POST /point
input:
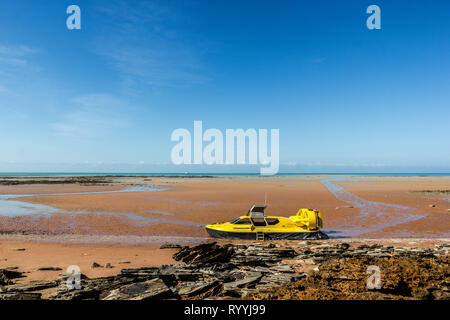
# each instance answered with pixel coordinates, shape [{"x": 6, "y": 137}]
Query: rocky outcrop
[
  {"x": 346, "y": 278},
  {"x": 20, "y": 296},
  {"x": 30, "y": 286},
  {"x": 49, "y": 269},
  {"x": 152, "y": 289},
  {"x": 82, "y": 180},
  {"x": 306, "y": 270},
  {"x": 7, "y": 276},
  {"x": 205, "y": 254},
  {"x": 170, "y": 246}
]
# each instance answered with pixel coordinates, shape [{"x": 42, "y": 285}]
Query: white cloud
[
  {"x": 92, "y": 115},
  {"x": 15, "y": 64},
  {"x": 3, "y": 89},
  {"x": 143, "y": 43},
  {"x": 16, "y": 50},
  {"x": 335, "y": 164},
  {"x": 14, "y": 56}
]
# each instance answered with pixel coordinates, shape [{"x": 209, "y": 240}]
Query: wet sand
[
  {"x": 182, "y": 209},
  {"x": 407, "y": 192},
  {"x": 110, "y": 226},
  {"x": 368, "y": 207},
  {"x": 62, "y": 255}
]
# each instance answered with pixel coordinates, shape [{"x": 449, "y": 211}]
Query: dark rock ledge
[{"x": 308, "y": 270}]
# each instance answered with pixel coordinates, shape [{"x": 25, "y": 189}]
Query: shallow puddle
[
  {"x": 374, "y": 216},
  {"x": 15, "y": 208},
  {"x": 11, "y": 206}
]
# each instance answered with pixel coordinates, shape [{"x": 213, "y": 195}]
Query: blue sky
[{"x": 107, "y": 97}]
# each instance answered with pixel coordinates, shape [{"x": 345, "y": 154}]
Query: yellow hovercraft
[{"x": 257, "y": 226}]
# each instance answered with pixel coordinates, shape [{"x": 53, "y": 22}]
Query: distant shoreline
[{"x": 207, "y": 175}]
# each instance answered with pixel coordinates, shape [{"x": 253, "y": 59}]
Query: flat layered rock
[
  {"x": 205, "y": 254},
  {"x": 7, "y": 276},
  {"x": 31, "y": 286},
  {"x": 152, "y": 289},
  {"x": 282, "y": 268},
  {"x": 200, "y": 289},
  {"x": 49, "y": 269},
  {"x": 170, "y": 246},
  {"x": 20, "y": 296},
  {"x": 250, "y": 279}
]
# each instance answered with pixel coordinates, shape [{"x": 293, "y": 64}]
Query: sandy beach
[{"x": 123, "y": 223}]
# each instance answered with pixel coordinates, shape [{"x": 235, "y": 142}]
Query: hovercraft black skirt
[{"x": 318, "y": 235}]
